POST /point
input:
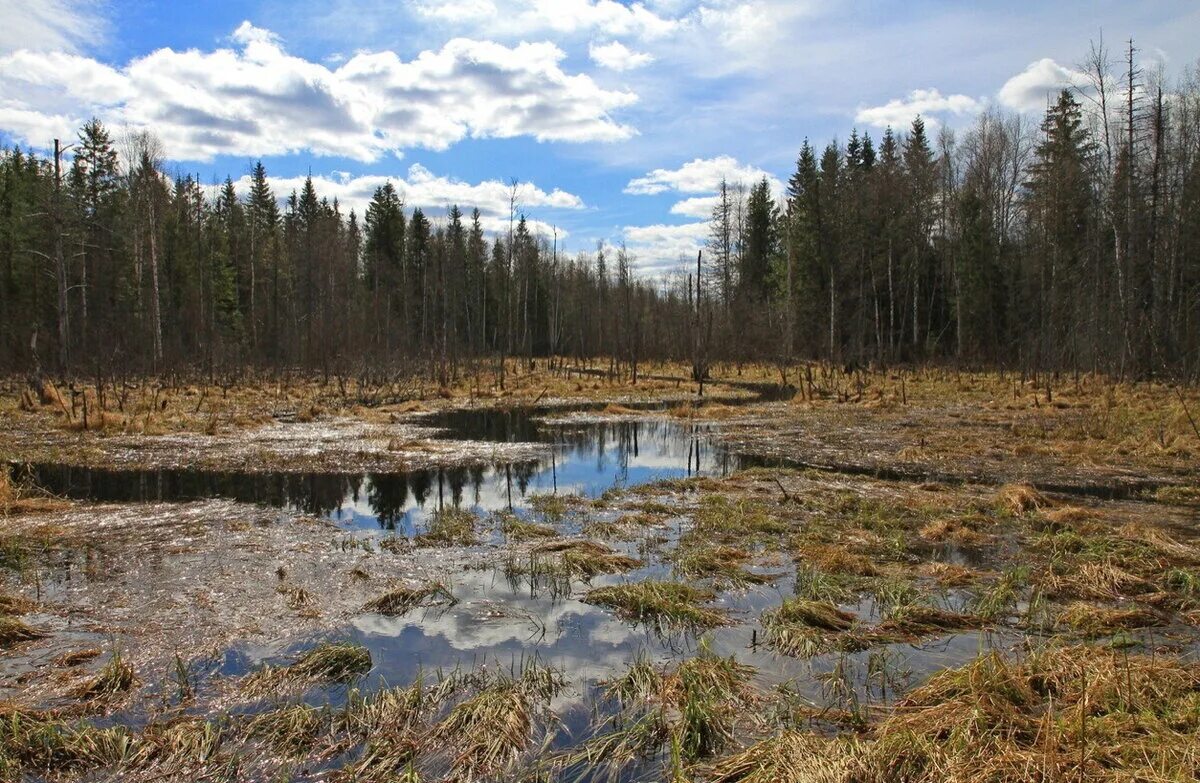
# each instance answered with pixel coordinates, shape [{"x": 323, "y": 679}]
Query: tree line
[{"x": 1073, "y": 244}]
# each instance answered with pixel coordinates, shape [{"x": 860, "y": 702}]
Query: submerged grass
[
  {"x": 663, "y": 606},
  {"x": 114, "y": 679},
  {"x": 14, "y": 631}
]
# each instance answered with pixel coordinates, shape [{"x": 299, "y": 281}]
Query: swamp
[{"x": 916, "y": 574}]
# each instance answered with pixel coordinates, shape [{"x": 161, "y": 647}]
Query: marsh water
[
  {"x": 500, "y": 619},
  {"x": 578, "y": 456}
]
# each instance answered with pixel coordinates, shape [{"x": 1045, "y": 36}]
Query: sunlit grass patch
[
  {"x": 584, "y": 559},
  {"x": 517, "y": 529},
  {"x": 450, "y": 527},
  {"x": 1080, "y": 713},
  {"x": 804, "y": 628},
  {"x": 293, "y": 730},
  {"x": 1093, "y": 621},
  {"x": 789, "y": 756},
  {"x": 404, "y": 598},
  {"x": 1020, "y": 499},
  {"x": 663, "y": 606},
  {"x": 488, "y": 732},
  {"x": 725, "y": 564},
  {"x": 329, "y": 662}
]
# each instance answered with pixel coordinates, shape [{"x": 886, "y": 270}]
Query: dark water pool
[{"x": 581, "y": 457}]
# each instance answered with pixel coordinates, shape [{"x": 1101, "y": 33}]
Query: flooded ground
[{"x": 590, "y": 567}]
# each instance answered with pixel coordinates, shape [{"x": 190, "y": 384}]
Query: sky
[{"x": 618, "y": 119}]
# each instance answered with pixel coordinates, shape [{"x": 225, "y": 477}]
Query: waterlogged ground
[{"x": 579, "y": 594}]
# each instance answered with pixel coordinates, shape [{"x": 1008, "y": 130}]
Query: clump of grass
[
  {"x": 450, "y": 527},
  {"x": 999, "y": 599},
  {"x": 331, "y": 662},
  {"x": 791, "y": 756},
  {"x": 14, "y": 604},
  {"x": 949, "y": 574},
  {"x": 721, "y": 563},
  {"x": 489, "y": 731},
  {"x": 692, "y": 709},
  {"x": 835, "y": 559},
  {"x": 587, "y": 559},
  {"x": 117, "y": 677},
  {"x": 14, "y": 631},
  {"x": 664, "y": 606},
  {"x": 916, "y": 620},
  {"x": 803, "y": 628},
  {"x": 294, "y": 730},
  {"x": 1178, "y": 495},
  {"x": 1066, "y": 713},
  {"x": 815, "y": 584},
  {"x": 1098, "y": 580},
  {"x": 724, "y": 519},
  {"x": 1095, "y": 621},
  {"x": 553, "y": 508},
  {"x": 1020, "y": 499},
  {"x": 403, "y": 599},
  {"x": 517, "y": 529}
]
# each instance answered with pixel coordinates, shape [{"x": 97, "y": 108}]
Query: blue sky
[{"x": 619, "y": 117}]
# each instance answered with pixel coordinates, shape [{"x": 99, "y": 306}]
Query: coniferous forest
[{"x": 1069, "y": 243}]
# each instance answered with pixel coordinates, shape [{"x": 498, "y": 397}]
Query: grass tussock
[
  {"x": 1020, "y": 499},
  {"x": 403, "y": 599},
  {"x": 791, "y": 756},
  {"x": 721, "y": 563},
  {"x": 803, "y": 628},
  {"x": 296, "y": 730},
  {"x": 693, "y": 710},
  {"x": 330, "y": 662},
  {"x": 517, "y": 529},
  {"x": 664, "y": 606},
  {"x": 584, "y": 559},
  {"x": 117, "y": 677},
  {"x": 736, "y": 520},
  {"x": 491, "y": 730},
  {"x": 450, "y": 527},
  {"x": 1094, "y": 621},
  {"x": 14, "y": 631},
  {"x": 1066, "y": 713}
]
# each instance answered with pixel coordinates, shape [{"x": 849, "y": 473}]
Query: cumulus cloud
[
  {"x": 256, "y": 99},
  {"x": 701, "y": 175},
  {"x": 49, "y": 25},
  {"x": 930, "y": 104},
  {"x": 433, "y": 193},
  {"x": 521, "y": 17},
  {"x": 660, "y": 248},
  {"x": 617, "y": 56},
  {"x": 695, "y": 207},
  {"x": 1038, "y": 84}
]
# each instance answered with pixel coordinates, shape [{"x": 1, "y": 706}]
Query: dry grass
[
  {"x": 489, "y": 731},
  {"x": 1067, "y": 713},
  {"x": 116, "y": 678},
  {"x": 1020, "y": 499},
  {"x": 14, "y": 631},
  {"x": 585, "y": 559},
  {"x": 789, "y": 757},
  {"x": 329, "y": 662},
  {"x": 1095, "y": 621},
  {"x": 403, "y": 599},
  {"x": 450, "y": 527},
  {"x": 724, "y": 564},
  {"x": 666, "y": 607}
]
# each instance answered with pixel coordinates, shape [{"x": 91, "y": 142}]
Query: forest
[{"x": 1069, "y": 244}]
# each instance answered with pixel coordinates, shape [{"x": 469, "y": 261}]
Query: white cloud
[
  {"x": 695, "y": 207},
  {"x": 42, "y": 25},
  {"x": 701, "y": 175},
  {"x": 1039, "y": 84},
  {"x": 257, "y": 100},
  {"x": 432, "y": 193},
  {"x": 617, "y": 56},
  {"x": 660, "y": 248},
  {"x": 565, "y": 17},
  {"x": 930, "y": 104}
]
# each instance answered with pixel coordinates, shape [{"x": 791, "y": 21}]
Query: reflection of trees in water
[{"x": 609, "y": 446}]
